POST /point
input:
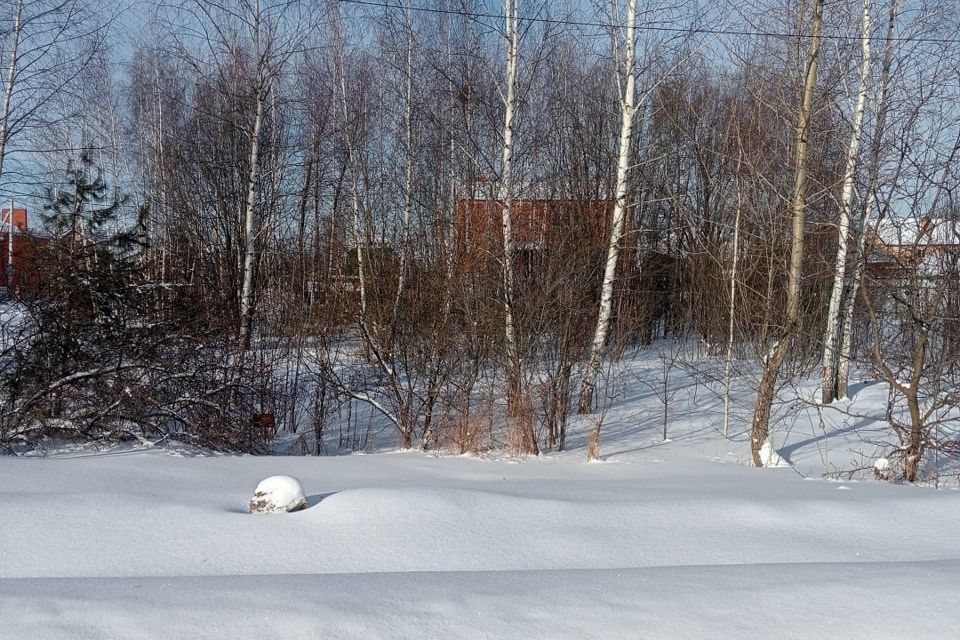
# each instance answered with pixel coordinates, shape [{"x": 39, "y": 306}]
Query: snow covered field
[
  {"x": 661, "y": 540},
  {"x": 410, "y": 546}
]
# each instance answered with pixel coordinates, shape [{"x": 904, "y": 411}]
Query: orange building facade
[{"x": 537, "y": 227}]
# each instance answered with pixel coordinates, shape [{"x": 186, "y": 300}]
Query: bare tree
[
  {"x": 760, "y": 445},
  {"x": 910, "y": 350},
  {"x": 45, "y": 45},
  {"x": 834, "y": 321},
  {"x": 12, "y": 65},
  {"x": 250, "y": 224},
  {"x": 856, "y": 262},
  {"x": 626, "y": 84},
  {"x": 731, "y": 322},
  {"x": 525, "y": 438},
  {"x": 246, "y": 44}
]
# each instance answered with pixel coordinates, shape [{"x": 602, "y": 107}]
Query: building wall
[
  {"x": 26, "y": 254},
  {"x": 19, "y": 219},
  {"x": 537, "y": 226}
]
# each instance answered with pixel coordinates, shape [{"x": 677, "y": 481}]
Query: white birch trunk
[
  {"x": 408, "y": 176},
  {"x": 627, "y": 111},
  {"x": 161, "y": 173},
  {"x": 403, "y": 418},
  {"x": 831, "y": 337},
  {"x": 249, "y": 217},
  {"x": 506, "y": 198},
  {"x": 359, "y": 232},
  {"x": 9, "y": 84},
  {"x": 735, "y": 264},
  {"x": 523, "y": 436},
  {"x": 852, "y": 283}
]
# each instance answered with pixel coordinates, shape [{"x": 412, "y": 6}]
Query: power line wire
[{"x": 641, "y": 27}]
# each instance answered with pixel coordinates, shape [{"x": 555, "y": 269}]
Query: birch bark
[
  {"x": 832, "y": 336},
  {"x": 525, "y": 441},
  {"x": 627, "y": 112},
  {"x": 249, "y": 218},
  {"x": 735, "y": 264},
  {"x": 855, "y": 275},
  {"x": 10, "y": 82}
]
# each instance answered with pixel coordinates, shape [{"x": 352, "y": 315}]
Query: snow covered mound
[
  {"x": 278, "y": 494},
  {"x": 769, "y": 456},
  {"x": 882, "y": 469}
]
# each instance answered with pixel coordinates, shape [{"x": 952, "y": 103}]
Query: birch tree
[
  {"x": 626, "y": 84},
  {"x": 855, "y": 274},
  {"x": 392, "y": 391},
  {"x": 832, "y": 336},
  {"x": 408, "y": 170},
  {"x": 44, "y": 45},
  {"x": 250, "y": 226},
  {"x": 731, "y": 315},
  {"x": 760, "y": 446},
  {"x": 512, "y": 34},
  {"x": 246, "y": 43},
  {"x": 15, "y": 35},
  {"x": 526, "y": 442}
]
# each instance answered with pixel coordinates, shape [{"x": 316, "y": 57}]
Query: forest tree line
[{"x": 266, "y": 213}]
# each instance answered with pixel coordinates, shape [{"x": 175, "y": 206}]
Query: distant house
[
  {"x": 910, "y": 246},
  {"x": 537, "y": 227},
  {"x": 20, "y": 255}
]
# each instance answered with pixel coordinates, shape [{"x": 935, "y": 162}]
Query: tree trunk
[
  {"x": 913, "y": 453},
  {"x": 627, "y": 111},
  {"x": 735, "y": 263},
  {"x": 407, "y": 180},
  {"x": 526, "y": 440},
  {"x": 9, "y": 84},
  {"x": 760, "y": 429},
  {"x": 249, "y": 220},
  {"x": 832, "y": 335},
  {"x": 856, "y": 274},
  {"x": 506, "y": 201}
]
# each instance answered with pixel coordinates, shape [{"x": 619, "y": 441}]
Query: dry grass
[{"x": 593, "y": 444}]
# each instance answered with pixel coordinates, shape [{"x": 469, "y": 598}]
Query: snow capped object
[
  {"x": 882, "y": 468},
  {"x": 278, "y": 494}
]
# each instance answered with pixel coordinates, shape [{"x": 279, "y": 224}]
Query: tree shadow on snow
[
  {"x": 788, "y": 450},
  {"x": 854, "y": 389},
  {"x": 317, "y": 498}
]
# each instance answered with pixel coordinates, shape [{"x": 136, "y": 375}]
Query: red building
[
  {"x": 24, "y": 249},
  {"x": 537, "y": 226}
]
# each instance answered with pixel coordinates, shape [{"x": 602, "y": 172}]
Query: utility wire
[{"x": 641, "y": 27}]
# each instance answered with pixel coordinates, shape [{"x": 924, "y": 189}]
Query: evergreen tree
[
  {"x": 90, "y": 280},
  {"x": 86, "y": 216},
  {"x": 107, "y": 354},
  {"x": 86, "y": 306}
]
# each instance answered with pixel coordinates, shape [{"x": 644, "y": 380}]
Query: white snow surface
[
  {"x": 674, "y": 540},
  {"x": 769, "y": 456},
  {"x": 412, "y": 546}
]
